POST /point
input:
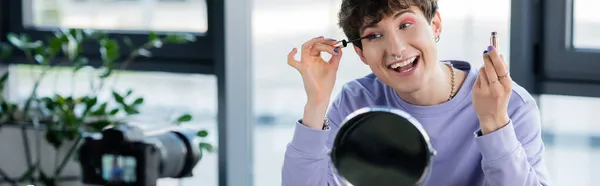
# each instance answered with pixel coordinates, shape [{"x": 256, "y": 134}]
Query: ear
[
  {"x": 360, "y": 54},
  {"x": 436, "y": 24}
]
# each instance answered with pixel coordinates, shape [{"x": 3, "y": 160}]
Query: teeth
[{"x": 403, "y": 63}]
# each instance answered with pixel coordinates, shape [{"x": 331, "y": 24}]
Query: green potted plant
[{"x": 43, "y": 132}]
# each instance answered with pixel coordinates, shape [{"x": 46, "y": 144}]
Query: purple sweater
[{"x": 510, "y": 156}]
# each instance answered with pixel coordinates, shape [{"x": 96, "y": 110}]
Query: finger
[
  {"x": 505, "y": 78},
  {"x": 335, "y": 59},
  {"x": 497, "y": 61},
  {"x": 478, "y": 81},
  {"x": 307, "y": 45},
  {"x": 331, "y": 41},
  {"x": 291, "y": 60},
  {"x": 321, "y": 47},
  {"x": 483, "y": 83},
  {"x": 489, "y": 69}
]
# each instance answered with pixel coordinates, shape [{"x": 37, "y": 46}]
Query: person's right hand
[{"x": 318, "y": 76}]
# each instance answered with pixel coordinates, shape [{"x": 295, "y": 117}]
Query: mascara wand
[{"x": 343, "y": 43}]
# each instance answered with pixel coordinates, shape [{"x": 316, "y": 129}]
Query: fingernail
[
  {"x": 490, "y": 48},
  {"x": 332, "y": 39},
  {"x": 319, "y": 37},
  {"x": 335, "y": 50},
  {"x": 485, "y": 51}
]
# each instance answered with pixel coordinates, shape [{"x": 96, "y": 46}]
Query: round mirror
[{"x": 381, "y": 146}]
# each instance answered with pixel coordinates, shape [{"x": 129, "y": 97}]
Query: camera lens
[{"x": 179, "y": 153}]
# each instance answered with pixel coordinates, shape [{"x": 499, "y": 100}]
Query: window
[
  {"x": 182, "y": 77},
  {"x": 568, "y": 55},
  {"x": 586, "y": 23},
  {"x": 572, "y": 138},
  {"x": 281, "y": 25},
  {"x": 169, "y": 96},
  {"x": 156, "y": 15},
  {"x": 122, "y": 19}
]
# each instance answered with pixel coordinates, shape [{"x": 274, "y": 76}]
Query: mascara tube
[{"x": 494, "y": 40}]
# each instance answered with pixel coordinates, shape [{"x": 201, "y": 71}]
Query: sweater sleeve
[
  {"x": 513, "y": 155},
  {"x": 307, "y": 160}
]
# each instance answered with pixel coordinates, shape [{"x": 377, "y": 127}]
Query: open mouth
[{"x": 405, "y": 66}]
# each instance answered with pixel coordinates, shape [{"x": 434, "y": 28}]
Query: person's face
[{"x": 402, "y": 52}]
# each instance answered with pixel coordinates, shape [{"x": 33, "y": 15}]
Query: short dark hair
[{"x": 354, "y": 14}]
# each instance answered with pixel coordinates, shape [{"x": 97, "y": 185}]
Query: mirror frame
[{"x": 365, "y": 110}]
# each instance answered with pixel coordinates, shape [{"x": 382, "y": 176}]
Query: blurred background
[{"x": 571, "y": 131}]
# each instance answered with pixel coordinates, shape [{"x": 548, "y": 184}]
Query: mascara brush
[{"x": 343, "y": 43}]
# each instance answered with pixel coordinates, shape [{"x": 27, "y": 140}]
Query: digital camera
[{"x": 123, "y": 156}]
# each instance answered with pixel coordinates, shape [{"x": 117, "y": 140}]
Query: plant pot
[{"x": 18, "y": 142}]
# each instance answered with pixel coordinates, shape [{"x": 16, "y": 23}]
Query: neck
[{"x": 436, "y": 91}]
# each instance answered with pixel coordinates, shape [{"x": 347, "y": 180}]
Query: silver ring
[{"x": 399, "y": 58}]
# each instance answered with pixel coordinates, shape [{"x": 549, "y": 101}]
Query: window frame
[
  {"x": 563, "y": 60},
  {"x": 196, "y": 57},
  {"x": 569, "y": 70},
  {"x": 544, "y": 60},
  {"x": 226, "y": 54}
]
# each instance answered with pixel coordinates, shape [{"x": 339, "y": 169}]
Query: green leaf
[
  {"x": 152, "y": 36},
  {"x": 114, "y": 111},
  {"x": 109, "y": 50},
  {"x": 129, "y": 92},
  {"x": 80, "y": 63},
  {"x": 55, "y": 45},
  {"x": 202, "y": 133},
  {"x": 22, "y": 41},
  {"x": 184, "y": 118},
  {"x": 138, "y": 101},
  {"x": 118, "y": 98},
  {"x": 180, "y": 38},
  {"x": 129, "y": 110},
  {"x": 91, "y": 102},
  {"x": 49, "y": 103},
  {"x": 101, "y": 110},
  {"x": 54, "y": 137},
  {"x": 207, "y": 147},
  {"x": 98, "y": 126},
  {"x": 77, "y": 34},
  {"x": 60, "y": 100}
]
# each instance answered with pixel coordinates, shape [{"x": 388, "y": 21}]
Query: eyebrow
[{"x": 373, "y": 24}]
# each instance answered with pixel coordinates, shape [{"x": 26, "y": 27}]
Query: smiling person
[{"x": 485, "y": 128}]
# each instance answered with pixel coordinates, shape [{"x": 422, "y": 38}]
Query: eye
[
  {"x": 405, "y": 25},
  {"x": 373, "y": 36}
]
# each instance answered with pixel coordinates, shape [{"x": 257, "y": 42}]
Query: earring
[{"x": 437, "y": 39}]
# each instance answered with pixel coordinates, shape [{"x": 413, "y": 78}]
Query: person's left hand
[{"x": 492, "y": 91}]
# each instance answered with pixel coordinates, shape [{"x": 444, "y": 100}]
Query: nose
[{"x": 396, "y": 46}]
